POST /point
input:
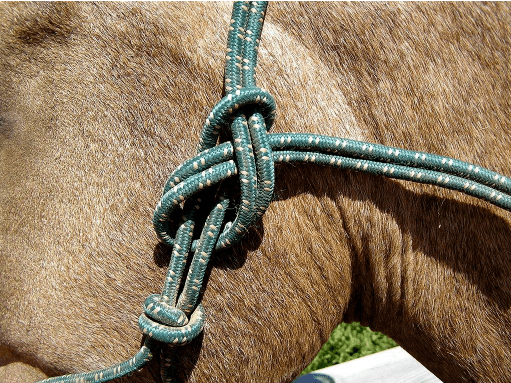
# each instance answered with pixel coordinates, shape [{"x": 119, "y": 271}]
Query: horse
[{"x": 99, "y": 103}]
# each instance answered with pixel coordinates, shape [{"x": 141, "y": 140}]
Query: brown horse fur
[{"x": 100, "y": 102}]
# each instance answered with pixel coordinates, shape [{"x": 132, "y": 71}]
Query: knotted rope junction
[{"x": 247, "y": 113}]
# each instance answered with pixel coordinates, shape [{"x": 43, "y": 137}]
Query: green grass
[{"x": 347, "y": 342}]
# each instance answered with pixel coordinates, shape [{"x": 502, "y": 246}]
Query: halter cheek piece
[{"x": 247, "y": 113}]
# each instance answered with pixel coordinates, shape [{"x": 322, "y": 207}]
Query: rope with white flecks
[{"x": 247, "y": 112}]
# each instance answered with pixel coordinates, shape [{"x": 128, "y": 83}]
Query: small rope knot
[{"x": 166, "y": 323}]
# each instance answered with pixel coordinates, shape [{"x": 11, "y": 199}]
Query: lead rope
[{"x": 247, "y": 112}]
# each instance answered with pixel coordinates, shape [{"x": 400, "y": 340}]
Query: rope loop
[
  {"x": 168, "y": 324},
  {"x": 227, "y": 107}
]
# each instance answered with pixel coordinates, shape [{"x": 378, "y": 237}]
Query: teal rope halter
[{"x": 247, "y": 112}]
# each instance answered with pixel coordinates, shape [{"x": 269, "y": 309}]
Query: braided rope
[{"x": 247, "y": 112}]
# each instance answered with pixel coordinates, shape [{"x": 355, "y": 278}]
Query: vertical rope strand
[
  {"x": 234, "y": 46},
  {"x": 251, "y": 41}
]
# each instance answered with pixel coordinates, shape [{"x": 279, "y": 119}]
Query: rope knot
[
  {"x": 166, "y": 323},
  {"x": 248, "y": 154}
]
